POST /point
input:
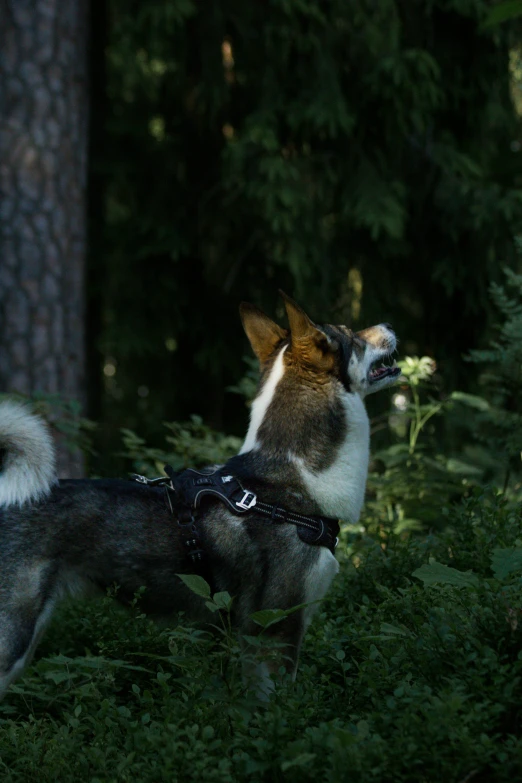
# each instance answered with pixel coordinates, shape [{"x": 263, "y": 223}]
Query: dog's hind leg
[
  {"x": 18, "y": 641},
  {"x": 25, "y": 611}
]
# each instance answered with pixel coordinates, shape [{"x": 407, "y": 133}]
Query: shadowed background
[{"x": 362, "y": 156}]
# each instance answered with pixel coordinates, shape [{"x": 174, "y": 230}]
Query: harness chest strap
[
  {"x": 191, "y": 486},
  {"x": 186, "y": 489}
]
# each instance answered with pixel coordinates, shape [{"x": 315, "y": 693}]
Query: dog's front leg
[{"x": 264, "y": 663}]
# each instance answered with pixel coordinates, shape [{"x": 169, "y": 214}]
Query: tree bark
[{"x": 43, "y": 143}]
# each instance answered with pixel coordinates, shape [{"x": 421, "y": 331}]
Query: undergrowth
[{"x": 411, "y": 671}]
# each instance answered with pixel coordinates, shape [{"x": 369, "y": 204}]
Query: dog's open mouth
[{"x": 379, "y": 373}]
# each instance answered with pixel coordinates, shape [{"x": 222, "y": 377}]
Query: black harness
[{"x": 186, "y": 489}]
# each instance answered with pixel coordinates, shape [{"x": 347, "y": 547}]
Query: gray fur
[
  {"x": 86, "y": 535},
  {"x": 89, "y": 535}
]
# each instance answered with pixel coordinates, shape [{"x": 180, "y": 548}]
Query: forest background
[{"x": 165, "y": 160}]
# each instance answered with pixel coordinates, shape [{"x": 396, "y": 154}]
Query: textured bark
[{"x": 43, "y": 143}]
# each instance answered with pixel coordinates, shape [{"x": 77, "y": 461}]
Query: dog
[{"x": 306, "y": 451}]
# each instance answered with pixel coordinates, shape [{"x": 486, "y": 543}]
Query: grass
[{"x": 403, "y": 677}]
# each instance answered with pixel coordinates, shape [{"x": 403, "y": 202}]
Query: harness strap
[
  {"x": 186, "y": 489},
  {"x": 193, "y": 545},
  {"x": 321, "y": 531}
]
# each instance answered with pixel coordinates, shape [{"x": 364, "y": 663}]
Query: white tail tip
[{"x": 27, "y": 472}]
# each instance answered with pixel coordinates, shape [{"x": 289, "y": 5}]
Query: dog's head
[{"x": 323, "y": 353}]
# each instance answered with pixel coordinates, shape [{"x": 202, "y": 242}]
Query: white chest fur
[
  {"x": 339, "y": 489},
  {"x": 318, "y": 581}
]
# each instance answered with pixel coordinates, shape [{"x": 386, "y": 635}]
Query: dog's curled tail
[{"x": 27, "y": 466}]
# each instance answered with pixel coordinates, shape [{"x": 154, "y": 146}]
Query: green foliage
[
  {"x": 290, "y": 144},
  {"x": 411, "y": 480},
  {"x": 197, "y": 584},
  {"x": 435, "y": 573},
  {"x": 65, "y": 418},
  {"x": 248, "y": 383},
  {"x": 497, "y": 415},
  {"x": 505, "y": 561},
  {"x": 190, "y": 444},
  {"x": 399, "y": 675},
  {"x": 501, "y": 12}
]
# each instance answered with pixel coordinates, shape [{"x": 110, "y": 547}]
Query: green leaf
[
  {"x": 472, "y": 400},
  {"x": 57, "y": 677},
  {"x": 301, "y": 760},
  {"x": 393, "y": 630},
  {"x": 461, "y": 468},
  {"x": 407, "y": 524},
  {"x": 502, "y": 12},
  {"x": 268, "y": 617},
  {"x": 505, "y": 561},
  {"x": 196, "y": 583},
  {"x": 363, "y": 729},
  {"x": 437, "y": 573},
  {"x": 223, "y": 600}
]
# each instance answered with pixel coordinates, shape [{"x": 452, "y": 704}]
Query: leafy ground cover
[{"x": 411, "y": 672}]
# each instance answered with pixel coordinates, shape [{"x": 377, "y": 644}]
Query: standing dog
[{"x": 306, "y": 450}]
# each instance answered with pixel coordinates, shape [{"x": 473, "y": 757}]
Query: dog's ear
[
  {"x": 309, "y": 343},
  {"x": 300, "y": 324},
  {"x": 263, "y": 333}
]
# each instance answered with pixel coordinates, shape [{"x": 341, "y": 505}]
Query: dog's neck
[{"x": 310, "y": 443}]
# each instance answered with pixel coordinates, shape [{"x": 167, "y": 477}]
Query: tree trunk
[{"x": 43, "y": 143}]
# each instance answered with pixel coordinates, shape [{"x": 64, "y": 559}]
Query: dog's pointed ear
[
  {"x": 263, "y": 333},
  {"x": 300, "y": 324},
  {"x": 309, "y": 343}
]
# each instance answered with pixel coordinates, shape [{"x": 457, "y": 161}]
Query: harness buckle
[{"x": 248, "y": 500}]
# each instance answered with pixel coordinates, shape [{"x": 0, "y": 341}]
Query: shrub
[{"x": 411, "y": 671}]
